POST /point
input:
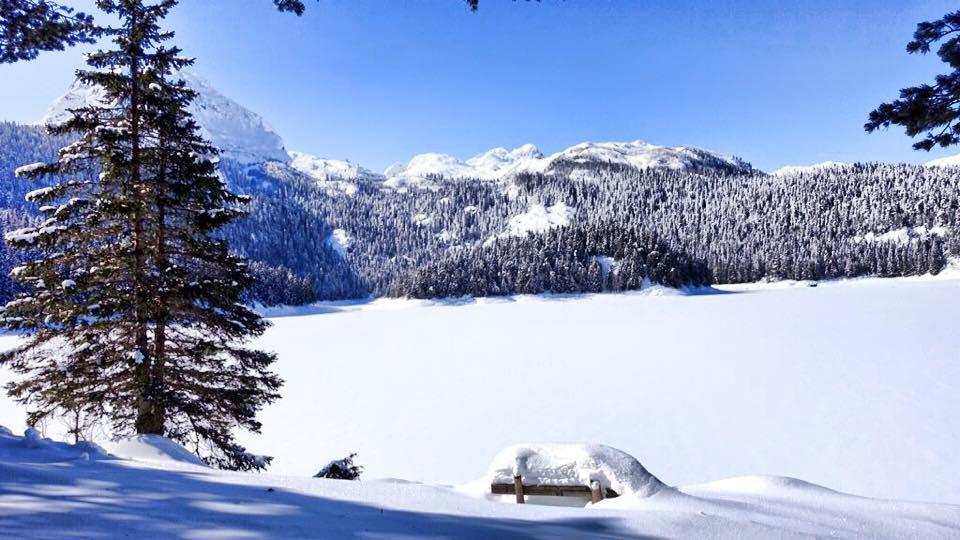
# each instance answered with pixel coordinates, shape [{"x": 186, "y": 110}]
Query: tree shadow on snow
[{"x": 107, "y": 499}]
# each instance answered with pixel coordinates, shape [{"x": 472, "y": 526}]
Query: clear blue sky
[{"x": 376, "y": 81}]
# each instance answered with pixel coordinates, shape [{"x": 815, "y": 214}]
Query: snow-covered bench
[
  {"x": 589, "y": 471},
  {"x": 595, "y": 492}
]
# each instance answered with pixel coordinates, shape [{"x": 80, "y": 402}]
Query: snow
[
  {"x": 801, "y": 169},
  {"x": 27, "y": 169},
  {"x": 239, "y": 133},
  {"x": 848, "y": 386},
  {"x": 27, "y": 234},
  {"x": 78, "y": 96},
  {"x": 500, "y": 163},
  {"x": 573, "y": 464},
  {"x": 537, "y": 219},
  {"x": 421, "y": 219},
  {"x": 54, "y": 490},
  {"x": 903, "y": 235},
  {"x": 949, "y": 161},
  {"x": 37, "y": 193},
  {"x": 845, "y": 385},
  {"x": 333, "y": 175},
  {"x": 341, "y": 241},
  {"x": 151, "y": 448}
]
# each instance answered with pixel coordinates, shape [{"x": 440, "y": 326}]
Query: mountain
[
  {"x": 800, "y": 169},
  {"x": 245, "y": 137},
  {"x": 500, "y": 163},
  {"x": 241, "y": 134},
  {"x": 645, "y": 215},
  {"x": 333, "y": 175},
  {"x": 949, "y": 161}
]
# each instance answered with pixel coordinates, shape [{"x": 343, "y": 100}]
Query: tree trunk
[{"x": 149, "y": 418}]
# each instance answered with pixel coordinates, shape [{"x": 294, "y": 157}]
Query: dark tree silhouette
[
  {"x": 931, "y": 109},
  {"x": 28, "y": 27}
]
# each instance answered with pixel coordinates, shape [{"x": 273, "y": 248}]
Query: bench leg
[
  {"x": 518, "y": 487},
  {"x": 596, "y": 492}
]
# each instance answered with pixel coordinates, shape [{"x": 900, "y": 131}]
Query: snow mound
[
  {"x": 32, "y": 447},
  {"x": 152, "y": 448},
  {"x": 574, "y": 464},
  {"x": 239, "y": 133},
  {"x": 767, "y": 486}
]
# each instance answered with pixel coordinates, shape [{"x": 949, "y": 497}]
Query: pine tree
[
  {"x": 930, "y": 109},
  {"x": 341, "y": 469},
  {"x": 28, "y": 27},
  {"x": 134, "y": 313}
]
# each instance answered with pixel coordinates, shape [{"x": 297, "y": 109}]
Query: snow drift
[
  {"x": 152, "y": 448},
  {"x": 52, "y": 489}
]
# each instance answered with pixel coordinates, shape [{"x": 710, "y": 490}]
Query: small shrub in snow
[{"x": 341, "y": 469}]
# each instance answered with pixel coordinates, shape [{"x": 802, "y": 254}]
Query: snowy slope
[
  {"x": 500, "y": 163},
  {"x": 799, "y": 169},
  {"x": 334, "y": 176},
  {"x": 56, "y": 490},
  {"x": 241, "y": 134},
  {"x": 949, "y": 161},
  {"x": 848, "y": 385},
  {"x": 331, "y": 169}
]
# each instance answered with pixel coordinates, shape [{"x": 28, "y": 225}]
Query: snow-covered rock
[
  {"x": 573, "y": 464},
  {"x": 239, "y": 133},
  {"x": 152, "y": 448},
  {"x": 800, "y": 169},
  {"x": 500, "y": 163}
]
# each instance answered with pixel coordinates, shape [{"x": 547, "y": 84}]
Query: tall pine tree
[{"x": 134, "y": 311}]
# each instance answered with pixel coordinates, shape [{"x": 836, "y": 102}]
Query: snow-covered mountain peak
[
  {"x": 78, "y": 95},
  {"x": 642, "y": 155},
  {"x": 241, "y": 134},
  {"x": 333, "y": 175},
  {"x": 798, "y": 169},
  {"x": 949, "y": 161},
  {"x": 500, "y": 163}
]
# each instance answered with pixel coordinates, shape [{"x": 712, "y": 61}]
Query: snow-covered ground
[
  {"x": 55, "y": 490},
  {"x": 850, "y": 385}
]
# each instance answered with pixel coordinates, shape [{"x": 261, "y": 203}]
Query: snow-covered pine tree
[
  {"x": 341, "y": 469},
  {"x": 134, "y": 313}
]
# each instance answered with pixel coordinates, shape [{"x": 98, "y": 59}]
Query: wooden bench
[{"x": 593, "y": 492}]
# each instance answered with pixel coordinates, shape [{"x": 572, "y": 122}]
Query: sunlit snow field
[{"x": 850, "y": 385}]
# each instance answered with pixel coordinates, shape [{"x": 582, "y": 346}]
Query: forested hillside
[{"x": 585, "y": 226}]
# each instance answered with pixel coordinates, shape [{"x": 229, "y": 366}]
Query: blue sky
[{"x": 377, "y": 81}]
